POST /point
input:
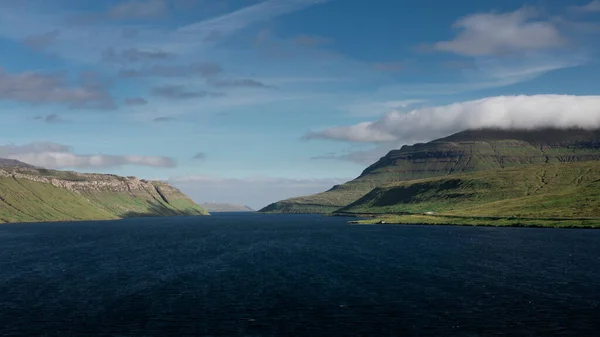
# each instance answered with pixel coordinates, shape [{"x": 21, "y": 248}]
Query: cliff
[
  {"x": 467, "y": 151},
  {"x": 29, "y": 194}
]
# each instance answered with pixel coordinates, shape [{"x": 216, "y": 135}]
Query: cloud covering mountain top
[{"x": 504, "y": 112}]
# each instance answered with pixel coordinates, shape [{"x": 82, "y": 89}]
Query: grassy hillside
[
  {"x": 564, "y": 190},
  {"x": 468, "y": 151},
  {"x": 31, "y": 195}
]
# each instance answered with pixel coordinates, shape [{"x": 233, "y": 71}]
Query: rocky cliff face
[
  {"x": 32, "y": 194},
  {"x": 468, "y": 151}
]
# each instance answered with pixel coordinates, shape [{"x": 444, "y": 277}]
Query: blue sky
[{"x": 252, "y": 101}]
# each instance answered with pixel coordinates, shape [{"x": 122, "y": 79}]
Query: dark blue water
[{"x": 270, "y": 275}]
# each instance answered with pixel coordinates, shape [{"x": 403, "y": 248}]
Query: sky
[{"x": 253, "y": 101}]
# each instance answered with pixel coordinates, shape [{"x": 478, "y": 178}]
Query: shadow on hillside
[
  {"x": 417, "y": 192},
  {"x": 159, "y": 210}
]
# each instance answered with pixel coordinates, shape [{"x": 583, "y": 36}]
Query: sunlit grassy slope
[
  {"x": 32, "y": 195},
  {"x": 565, "y": 190}
]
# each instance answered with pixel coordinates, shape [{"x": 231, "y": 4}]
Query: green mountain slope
[
  {"x": 568, "y": 190},
  {"x": 29, "y": 194},
  {"x": 467, "y": 151}
]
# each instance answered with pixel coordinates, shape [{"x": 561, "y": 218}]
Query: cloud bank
[
  {"x": 505, "y": 112},
  {"x": 53, "y": 155}
]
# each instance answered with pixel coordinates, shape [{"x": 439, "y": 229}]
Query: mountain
[
  {"x": 467, "y": 151},
  {"x": 12, "y": 163},
  {"x": 221, "y": 207},
  {"x": 561, "y": 190},
  {"x": 29, "y": 194}
]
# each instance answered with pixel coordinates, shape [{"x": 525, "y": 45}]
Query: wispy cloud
[
  {"x": 423, "y": 124},
  {"x": 135, "y": 55},
  {"x": 51, "y": 118},
  {"x": 135, "y": 101},
  {"x": 37, "y": 88},
  {"x": 180, "y": 92},
  {"x": 163, "y": 119},
  {"x": 238, "y": 83},
  {"x": 378, "y": 108},
  {"x": 200, "y": 69},
  {"x": 492, "y": 72},
  {"x": 53, "y": 155},
  {"x": 247, "y": 16},
  {"x": 392, "y": 67},
  {"x": 361, "y": 157},
  {"x": 592, "y": 7},
  {"x": 40, "y": 41},
  {"x": 362, "y": 132},
  {"x": 139, "y": 9},
  {"x": 312, "y": 41}
]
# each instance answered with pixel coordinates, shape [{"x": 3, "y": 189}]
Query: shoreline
[{"x": 454, "y": 220}]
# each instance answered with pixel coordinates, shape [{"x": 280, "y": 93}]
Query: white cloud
[
  {"x": 493, "y": 34},
  {"x": 52, "y": 155},
  {"x": 256, "y": 192},
  {"x": 424, "y": 124}
]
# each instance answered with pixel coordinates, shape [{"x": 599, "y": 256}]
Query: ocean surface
[{"x": 295, "y": 275}]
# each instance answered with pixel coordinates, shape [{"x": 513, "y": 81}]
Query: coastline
[{"x": 455, "y": 220}]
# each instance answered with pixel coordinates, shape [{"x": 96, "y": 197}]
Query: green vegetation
[
  {"x": 547, "y": 195},
  {"x": 418, "y": 219},
  {"x": 23, "y": 200},
  {"x": 464, "y": 152},
  {"x": 32, "y": 195},
  {"x": 548, "y": 190}
]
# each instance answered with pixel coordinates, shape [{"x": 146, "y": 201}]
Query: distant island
[
  {"x": 545, "y": 177},
  {"x": 31, "y": 194},
  {"x": 224, "y": 207}
]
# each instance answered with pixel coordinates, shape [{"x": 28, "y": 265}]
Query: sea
[{"x": 245, "y": 274}]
